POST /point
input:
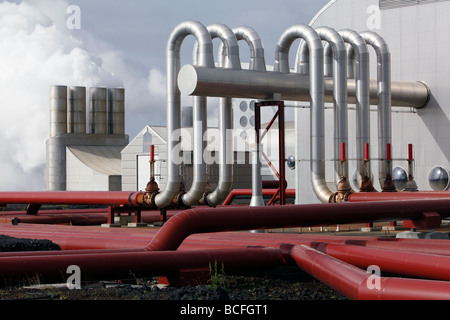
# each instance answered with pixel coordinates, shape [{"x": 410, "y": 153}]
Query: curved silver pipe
[
  {"x": 328, "y": 58},
  {"x": 317, "y": 92},
  {"x": 257, "y": 59},
  {"x": 362, "y": 79},
  {"x": 302, "y": 60},
  {"x": 335, "y": 47},
  {"x": 257, "y": 63},
  {"x": 384, "y": 101},
  {"x": 229, "y": 59},
  {"x": 205, "y": 58},
  {"x": 350, "y": 61}
]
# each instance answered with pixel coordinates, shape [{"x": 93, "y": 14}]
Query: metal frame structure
[{"x": 281, "y": 175}]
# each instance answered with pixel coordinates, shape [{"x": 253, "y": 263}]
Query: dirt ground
[{"x": 282, "y": 284}]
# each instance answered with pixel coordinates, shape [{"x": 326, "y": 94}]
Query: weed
[{"x": 217, "y": 279}]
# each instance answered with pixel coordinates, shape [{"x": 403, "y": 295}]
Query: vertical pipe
[
  {"x": 302, "y": 63},
  {"x": 366, "y": 152},
  {"x": 228, "y": 58},
  {"x": 317, "y": 99},
  {"x": 351, "y": 64},
  {"x": 98, "y": 111},
  {"x": 384, "y": 100},
  {"x": 257, "y": 198},
  {"x": 76, "y": 119},
  {"x": 336, "y": 48},
  {"x": 116, "y": 111},
  {"x": 257, "y": 63},
  {"x": 411, "y": 185},
  {"x": 362, "y": 78},
  {"x": 205, "y": 58},
  {"x": 410, "y": 152},
  {"x": 343, "y": 152},
  {"x": 58, "y": 110},
  {"x": 152, "y": 162},
  {"x": 281, "y": 158},
  {"x": 328, "y": 57}
]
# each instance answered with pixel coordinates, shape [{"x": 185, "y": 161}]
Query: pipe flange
[
  {"x": 179, "y": 200},
  {"x": 205, "y": 199},
  {"x": 153, "y": 198}
]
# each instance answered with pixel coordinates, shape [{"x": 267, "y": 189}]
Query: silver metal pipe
[
  {"x": 257, "y": 63},
  {"x": 384, "y": 101},
  {"x": 229, "y": 59},
  {"x": 328, "y": 59},
  {"x": 257, "y": 59},
  {"x": 317, "y": 91},
  {"x": 116, "y": 110},
  {"x": 76, "y": 118},
  {"x": 58, "y": 110},
  {"x": 336, "y": 48},
  {"x": 248, "y": 84},
  {"x": 350, "y": 61},
  {"x": 205, "y": 58},
  {"x": 97, "y": 113},
  {"x": 302, "y": 60},
  {"x": 362, "y": 79}
]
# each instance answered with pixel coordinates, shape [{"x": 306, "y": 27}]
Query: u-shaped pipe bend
[{"x": 205, "y": 58}]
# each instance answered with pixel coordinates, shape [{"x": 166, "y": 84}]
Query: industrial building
[{"x": 80, "y": 156}]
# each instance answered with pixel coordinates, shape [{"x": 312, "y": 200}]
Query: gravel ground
[
  {"x": 286, "y": 283},
  {"x": 10, "y": 244}
]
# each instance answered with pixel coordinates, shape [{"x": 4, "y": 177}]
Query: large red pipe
[
  {"x": 75, "y": 217},
  {"x": 393, "y": 261},
  {"x": 357, "y": 284},
  {"x": 392, "y": 196},
  {"x": 201, "y": 220},
  {"x": 110, "y": 198},
  {"x": 119, "y": 265}
]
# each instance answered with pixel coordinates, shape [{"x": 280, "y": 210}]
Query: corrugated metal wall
[{"x": 392, "y": 4}]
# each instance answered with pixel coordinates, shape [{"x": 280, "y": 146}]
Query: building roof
[{"x": 103, "y": 159}]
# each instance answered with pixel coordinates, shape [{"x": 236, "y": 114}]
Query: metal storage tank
[
  {"x": 58, "y": 110},
  {"x": 76, "y": 118},
  {"x": 98, "y": 111},
  {"x": 116, "y": 111}
]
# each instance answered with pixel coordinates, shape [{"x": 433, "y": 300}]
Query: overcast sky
[
  {"x": 141, "y": 28},
  {"x": 119, "y": 43}
]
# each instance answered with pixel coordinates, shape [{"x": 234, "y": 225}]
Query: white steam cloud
[{"x": 37, "y": 50}]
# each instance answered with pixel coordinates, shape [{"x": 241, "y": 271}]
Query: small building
[{"x": 136, "y": 158}]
